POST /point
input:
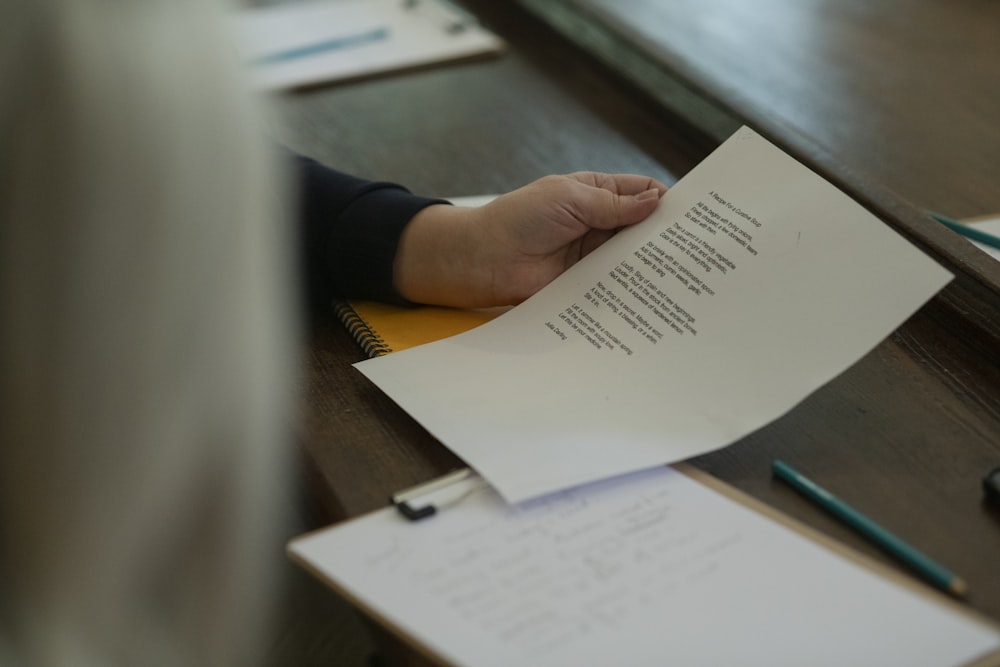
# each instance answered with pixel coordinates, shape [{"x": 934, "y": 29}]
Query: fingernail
[{"x": 647, "y": 195}]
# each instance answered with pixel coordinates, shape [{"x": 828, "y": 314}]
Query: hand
[{"x": 503, "y": 252}]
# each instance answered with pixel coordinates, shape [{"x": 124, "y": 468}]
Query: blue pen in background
[
  {"x": 919, "y": 562},
  {"x": 968, "y": 231},
  {"x": 325, "y": 46}
]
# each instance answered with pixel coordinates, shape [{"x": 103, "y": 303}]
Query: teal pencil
[
  {"x": 919, "y": 562},
  {"x": 968, "y": 231},
  {"x": 334, "y": 44}
]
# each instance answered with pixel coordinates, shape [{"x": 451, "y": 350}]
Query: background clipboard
[
  {"x": 299, "y": 44},
  {"x": 309, "y": 552}
]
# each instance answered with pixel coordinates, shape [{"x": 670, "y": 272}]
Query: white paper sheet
[
  {"x": 754, "y": 283},
  {"x": 652, "y": 568},
  {"x": 316, "y": 41}
]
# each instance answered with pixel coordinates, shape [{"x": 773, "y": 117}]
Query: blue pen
[
  {"x": 922, "y": 564},
  {"x": 335, "y": 44},
  {"x": 968, "y": 231}
]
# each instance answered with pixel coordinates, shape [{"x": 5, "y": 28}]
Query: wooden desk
[
  {"x": 895, "y": 101},
  {"x": 905, "y": 435}
]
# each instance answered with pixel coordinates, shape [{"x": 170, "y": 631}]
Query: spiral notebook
[
  {"x": 300, "y": 44},
  {"x": 380, "y": 328}
]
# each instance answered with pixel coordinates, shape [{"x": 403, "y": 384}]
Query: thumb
[
  {"x": 607, "y": 210},
  {"x": 642, "y": 204}
]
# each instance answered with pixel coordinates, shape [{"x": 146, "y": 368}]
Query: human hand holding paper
[
  {"x": 680, "y": 335},
  {"x": 501, "y": 253}
]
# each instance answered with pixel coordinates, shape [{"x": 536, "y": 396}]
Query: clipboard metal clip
[{"x": 424, "y": 500}]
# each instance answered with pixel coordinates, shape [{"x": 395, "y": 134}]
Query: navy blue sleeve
[{"x": 350, "y": 232}]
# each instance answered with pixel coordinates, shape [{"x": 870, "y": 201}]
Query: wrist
[{"x": 437, "y": 260}]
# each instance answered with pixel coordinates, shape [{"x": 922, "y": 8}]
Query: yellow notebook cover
[{"x": 381, "y": 328}]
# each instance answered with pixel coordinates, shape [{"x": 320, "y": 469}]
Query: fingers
[
  {"x": 622, "y": 184},
  {"x": 603, "y": 208}
]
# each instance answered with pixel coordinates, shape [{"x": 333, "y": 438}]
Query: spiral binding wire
[{"x": 372, "y": 344}]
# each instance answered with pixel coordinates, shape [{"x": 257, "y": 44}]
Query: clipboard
[
  {"x": 423, "y": 500},
  {"x": 301, "y": 44},
  {"x": 458, "y": 491}
]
